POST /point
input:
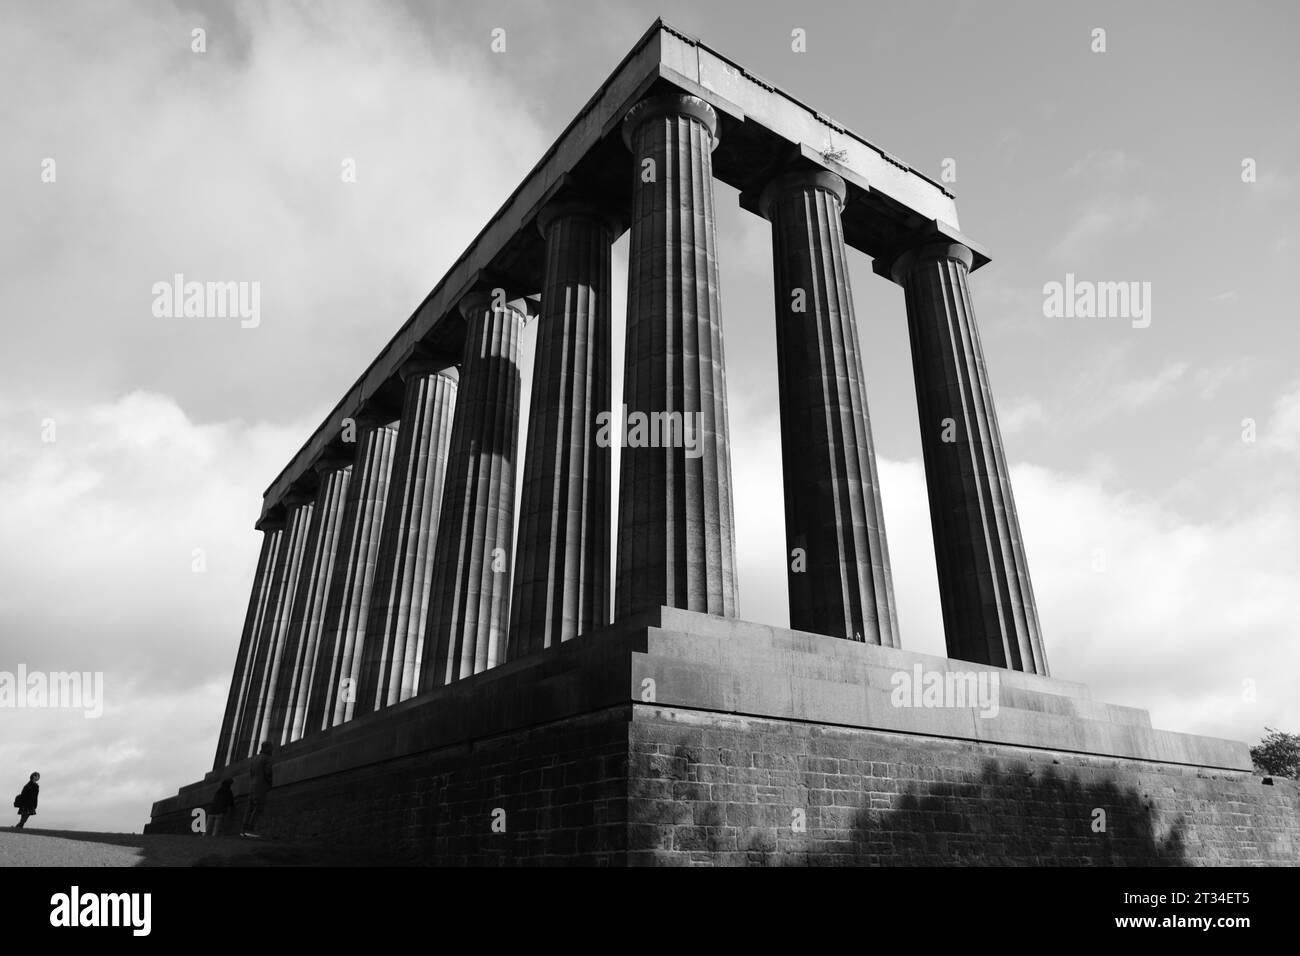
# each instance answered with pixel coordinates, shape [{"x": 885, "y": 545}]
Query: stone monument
[{"x": 440, "y": 689}]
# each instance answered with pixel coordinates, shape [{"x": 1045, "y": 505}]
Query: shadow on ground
[{"x": 29, "y": 847}]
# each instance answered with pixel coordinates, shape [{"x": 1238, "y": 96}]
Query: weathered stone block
[{"x": 595, "y": 777}]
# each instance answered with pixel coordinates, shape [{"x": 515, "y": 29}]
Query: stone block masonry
[
  {"x": 553, "y": 795},
  {"x": 643, "y": 785},
  {"x": 708, "y": 789},
  {"x": 559, "y": 759}
]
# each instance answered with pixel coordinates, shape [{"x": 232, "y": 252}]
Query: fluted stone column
[
  {"x": 272, "y": 530},
  {"x": 395, "y": 629},
  {"x": 334, "y": 683},
  {"x": 308, "y": 618},
  {"x": 561, "y": 584},
  {"x": 275, "y": 629},
  {"x": 676, "y": 537},
  {"x": 470, "y": 608},
  {"x": 837, "y": 558},
  {"x": 989, "y": 614}
]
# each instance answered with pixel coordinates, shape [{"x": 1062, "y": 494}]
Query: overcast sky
[{"x": 1162, "y": 546}]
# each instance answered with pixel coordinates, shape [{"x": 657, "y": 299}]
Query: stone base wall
[
  {"x": 721, "y": 790},
  {"x": 678, "y": 739},
  {"x": 647, "y": 785},
  {"x": 552, "y": 795}
]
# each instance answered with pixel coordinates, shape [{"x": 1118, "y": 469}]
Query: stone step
[{"x": 737, "y": 675}]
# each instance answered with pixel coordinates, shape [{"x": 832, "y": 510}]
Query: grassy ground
[{"x": 30, "y": 847}]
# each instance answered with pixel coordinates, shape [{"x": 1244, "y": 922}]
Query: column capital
[
  {"x": 801, "y": 180},
  {"x": 331, "y": 461},
  {"x": 369, "y": 416},
  {"x": 474, "y": 304},
  {"x": 296, "y": 497},
  {"x": 672, "y": 104},
  {"x": 558, "y": 209},
  {"x": 933, "y": 241},
  {"x": 422, "y": 362},
  {"x": 273, "y": 520}
]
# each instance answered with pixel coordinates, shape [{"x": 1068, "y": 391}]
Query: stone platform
[{"x": 679, "y": 738}]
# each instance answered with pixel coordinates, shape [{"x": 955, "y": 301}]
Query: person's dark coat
[{"x": 27, "y": 799}]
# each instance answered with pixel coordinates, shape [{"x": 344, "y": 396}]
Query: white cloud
[
  {"x": 105, "y": 773},
  {"x": 1103, "y": 164},
  {"x": 227, "y": 166},
  {"x": 1149, "y": 388},
  {"x": 100, "y": 527},
  {"x": 1100, "y": 221},
  {"x": 1009, "y": 145},
  {"x": 1185, "y": 610},
  {"x": 1273, "y": 185},
  {"x": 1210, "y": 379},
  {"x": 107, "y": 518},
  {"x": 1017, "y": 415},
  {"x": 1112, "y": 385},
  {"x": 1282, "y": 431}
]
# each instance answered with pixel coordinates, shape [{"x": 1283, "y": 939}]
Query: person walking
[
  {"x": 259, "y": 785},
  {"x": 219, "y": 812},
  {"x": 26, "y": 801}
]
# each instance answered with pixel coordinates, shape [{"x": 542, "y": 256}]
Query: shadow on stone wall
[{"x": 1013, "y": 814}]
